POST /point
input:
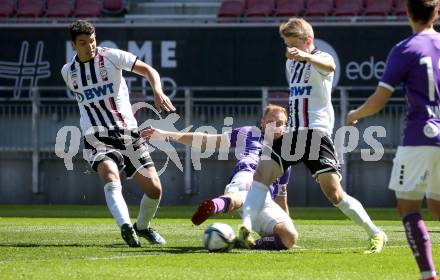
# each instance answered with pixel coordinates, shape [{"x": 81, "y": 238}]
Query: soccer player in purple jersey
[
  {"x": 414, "y": 61},
  {"x": 273, "y": 223}
]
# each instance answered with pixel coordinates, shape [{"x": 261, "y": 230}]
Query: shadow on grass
[
  {"x": 43, "y": 245},
  {"x": 169, "y": 250}
]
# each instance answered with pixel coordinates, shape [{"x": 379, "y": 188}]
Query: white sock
[
  {"x": 353, "y": 209},
  {"x": 147, "y": 210},
  {"x": 116, "y": 203},
  {"x": 254, "y": 203}
]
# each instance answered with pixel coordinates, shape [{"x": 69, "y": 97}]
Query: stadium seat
[
  {"x": 231, "y": 10},
  {"x": 378, "y": 7},
  {"x": 259, "y": 8},
  {"x": 30, "y": 8},
  {"x": 113, "y": 7},
  {"x": 254, "y": 3},
  {"x": 7, "y": 8},
  {"x": 348, "y": 8},
  {"x": 88, "y": 8},
  {"x": 59, "y": 8},
  {"x": 289, "y": 8},
  {"x": 400, "y": 7},
  {"x": 319, "y": 7}
]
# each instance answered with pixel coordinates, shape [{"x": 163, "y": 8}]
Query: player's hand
[
  {"x": 352, "y": 118},
  {"x": 153, "y": 134},
  {"x": 296, "y": 54},
  {"x": 161, "y": 101}
]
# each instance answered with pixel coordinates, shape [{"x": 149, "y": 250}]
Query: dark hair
[
  {"x": 423, "y": 11},
  {"x": 79, "y": 27}
]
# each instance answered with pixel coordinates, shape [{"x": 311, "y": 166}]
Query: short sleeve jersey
[
  {"x": 310, "y": 103},
  {"x": 100, "y": 89},
  {"x": 416, "y": 63}
]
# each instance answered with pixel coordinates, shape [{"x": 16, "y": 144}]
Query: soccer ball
[{"x": 219, "y": 237}]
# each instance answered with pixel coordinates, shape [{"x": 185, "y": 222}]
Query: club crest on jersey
[
  {"x": 74, "y": 80},
  {"x": 103, "y": 74},
  {"x": 300, "y": 90},
  {"x": 98, "y": 91}
]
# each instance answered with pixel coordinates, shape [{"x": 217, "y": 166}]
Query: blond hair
[
  {"x": 296, "y": 28},
  {"x": 274, "y": 108}
]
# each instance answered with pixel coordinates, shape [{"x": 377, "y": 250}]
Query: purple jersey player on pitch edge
[
  {"x": 273, "y": 224},
  {"x": 416, "y": 167}
]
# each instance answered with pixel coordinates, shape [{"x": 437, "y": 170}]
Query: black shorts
[
  {"x": 126, "y": 148},
  {"x": 313, "y": 147}
]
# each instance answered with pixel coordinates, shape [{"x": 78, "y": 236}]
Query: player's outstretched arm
[
  {"x": 193, "y": 139},
  {"x": 161, "y": 101},
  {"x": 372, "y": 105}
]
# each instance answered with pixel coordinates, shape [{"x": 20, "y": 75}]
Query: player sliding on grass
[
  {"x": 273, "y": 223},
  {"x": 308, "y": 139},
  {"x": 110, "y": 130},
  {"x": 414, "y": 61}
]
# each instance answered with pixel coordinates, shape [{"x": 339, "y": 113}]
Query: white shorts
[
  {"x": 271, "y": 215},
  {"x": 241, "y": 181},
  {"x": 416, "y": 172}
]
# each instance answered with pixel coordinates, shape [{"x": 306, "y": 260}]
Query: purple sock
[
  {"x": 221, "y": 204},
  {"x": 418, "y": 240},
  {"x": 271, "y": 242}
]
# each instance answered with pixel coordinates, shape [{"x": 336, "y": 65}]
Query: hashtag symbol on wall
[{"x": 26, "y": 70}]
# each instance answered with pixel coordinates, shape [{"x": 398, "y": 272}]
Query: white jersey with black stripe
[
  {"x": 101, "y": 91},
  {"x": 310, "y": 103}
]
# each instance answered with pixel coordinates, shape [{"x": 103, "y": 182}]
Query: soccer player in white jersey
[
  {"x": 110, "y": 130},
  {"x": 415, "y": 62},
  {"x": 308, "y": 138}
]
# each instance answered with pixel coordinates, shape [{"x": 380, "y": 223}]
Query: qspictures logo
[{"x": 27, "y": 68}]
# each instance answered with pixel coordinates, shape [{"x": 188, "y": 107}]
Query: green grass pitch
[{"x": 83, "y": 242}]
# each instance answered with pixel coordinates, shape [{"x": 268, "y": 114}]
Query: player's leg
[
  {"x": 275, "y": 227},
  {"x": 228, "y": 202},
  {"x": 353, "y": 209},
  {"x": 267, "y": 171},
  {"x": 222, "y": 204},
  {"x": 326, "y": 169},
  {"x": 140, "y": 166},
  {"x": 107, "y": 161},
  {"x": 149, "y": 182},
  {"x": 414, "y": 174},
  {"x": 417, "y": 234},
  {"x": 109, "y": 173}
]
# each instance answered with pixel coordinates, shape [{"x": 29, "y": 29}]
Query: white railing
[{"x": 30, "y": 124}]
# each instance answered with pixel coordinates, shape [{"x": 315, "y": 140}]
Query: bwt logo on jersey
[
  {"x": 300, "y": 90},
  {"x": 94, "y": 92}
]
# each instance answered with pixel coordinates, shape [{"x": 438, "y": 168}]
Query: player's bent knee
[
  {"x": 155, "y": 189},
  {"x": 150, "y": 185},
  {"x": 108, "y": 171},
  {"x": 235, "y": 201},
  {"x": 287, "y": 233}
]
